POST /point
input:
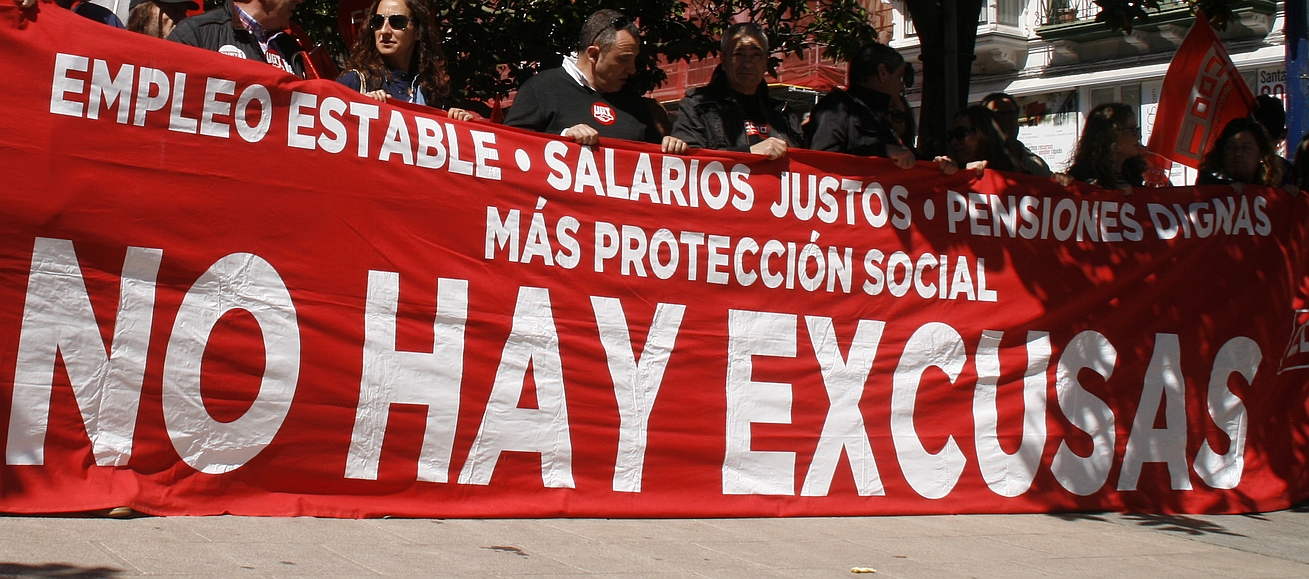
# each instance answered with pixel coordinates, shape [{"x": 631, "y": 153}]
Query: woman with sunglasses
[
  {"x": 902, "y": 122},
  {"x": 398, "y": 55},
  {"x": 976, "y": 143},
  {"x": 1241, "y": 156},
  {"x": 1109, "y": 154}
]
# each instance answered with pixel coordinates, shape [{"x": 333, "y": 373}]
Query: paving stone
[{"x": 1265, "y": 545}]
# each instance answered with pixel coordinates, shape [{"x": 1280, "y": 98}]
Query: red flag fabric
[
  {"x": 1202, "y": 91},
  {"x": 350, "y": 18},
  {"x": 224, "y": 289}
]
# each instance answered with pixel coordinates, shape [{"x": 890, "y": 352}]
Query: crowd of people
[{"x": 398, "y": 55}]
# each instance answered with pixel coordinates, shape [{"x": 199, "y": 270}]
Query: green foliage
[
  {"x": 318, "y": 19},
  {"x": 1121, "y": 14},
  {"x": 492, "y": 46},
  {"x": 794, "y": 26}
]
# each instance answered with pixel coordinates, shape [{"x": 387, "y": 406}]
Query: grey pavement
[{"x": 1009, "y": 546}]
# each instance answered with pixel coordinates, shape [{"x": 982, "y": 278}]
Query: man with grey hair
[
  {"x": 857, "y": 121},
  {"x": 734, "y": 111},
  {"x": 585, "y": 98}
]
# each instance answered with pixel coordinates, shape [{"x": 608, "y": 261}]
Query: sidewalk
[{"x": 1008, "y": 546}]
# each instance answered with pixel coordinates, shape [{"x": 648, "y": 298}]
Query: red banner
[
  {"x": 1202, "y": 91},
  {"x": 226, "y": 290}
]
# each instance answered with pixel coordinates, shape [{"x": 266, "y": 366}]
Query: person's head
[
  {"x": 1271, "y": 113},
  {"x": 157, "y": 18},
  {"x": 1244, "y": 154},
  {"x": 1006, "y": 111},
  {"x": 607, "y": 49},
  {"x": 880, "y": 68},
  {"x": 401, "y": 35},
  {"x": 745, "y": 56},
  {"x": 1110, "y": 144},
  {"x": 395, "y": 33},
  {"x": 273, "y": 15},
  {"x": 975, "y": 136},
  {"x": 902, "y": 120}
]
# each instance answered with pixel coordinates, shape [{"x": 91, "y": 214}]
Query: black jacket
[
  {"x": 711, "y": 117},
  {"x": 221, "y": 27},
  {"x": 855, "y": 121}
]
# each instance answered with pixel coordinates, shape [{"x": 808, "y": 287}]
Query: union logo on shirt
[
  {"x": 603, "y": 113},
  {"x": 755, "y": 130}
]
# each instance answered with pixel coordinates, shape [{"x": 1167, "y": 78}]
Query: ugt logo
[
  {"x": 603, "y": 114},
  {"x": 1296, "y": 356}
]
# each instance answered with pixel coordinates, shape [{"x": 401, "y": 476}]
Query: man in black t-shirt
[
  {"x": 734, "y": 111},
  {"x": 584, "y": 99}
]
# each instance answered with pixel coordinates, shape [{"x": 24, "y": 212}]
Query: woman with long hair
[
  {"x": 398, "y": 55},
  {"x": 902, "y": 122},
  {"x": 1242, "y": 155},
  {"x": 1110, "y": 154},
  {"x": 977, "y": 143}
]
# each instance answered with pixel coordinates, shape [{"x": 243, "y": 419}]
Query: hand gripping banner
[{"x": 226, "y": 290}]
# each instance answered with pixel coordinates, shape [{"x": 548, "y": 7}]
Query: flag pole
[{"x": 1297, "y": 73}]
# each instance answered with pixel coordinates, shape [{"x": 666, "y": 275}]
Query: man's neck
[
  {"x": 587, "y": 68},
  {"x": 255, "y": 10},
  {"x": 876, "y": 87},
  {"x": 570, "y": 66}
]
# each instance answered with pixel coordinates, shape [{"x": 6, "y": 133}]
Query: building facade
[{"x": 1060, "y": 63}]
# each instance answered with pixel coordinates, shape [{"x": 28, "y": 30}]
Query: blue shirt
[{"x": 399, "y": 85}]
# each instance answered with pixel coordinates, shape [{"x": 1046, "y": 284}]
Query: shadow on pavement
[
  {"x": 1180, "y": 524},
  {"x": 59, "y": 570},
  {"x": 1080, "y": 517}
]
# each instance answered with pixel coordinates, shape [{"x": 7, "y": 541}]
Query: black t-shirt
[
  {"x": 756, "y": 117},
  {"x": 552, "y": 102}
]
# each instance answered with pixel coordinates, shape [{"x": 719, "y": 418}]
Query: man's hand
[
  {"x": 379, "y": 94},
  {"x": 978, "y": 167},
  {"x": 673, "y": 145},
  {"x": 772, "y": 147},
  {"x": 459, "y": 114},
  {"x": 583, "y": 134},
  {"x": 903, "y": 157}
]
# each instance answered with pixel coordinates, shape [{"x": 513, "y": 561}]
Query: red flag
[
  {"x": 350, "y": 18},
  {"x": 1202, "y": 92},
  {"x": 318, "y": 63}
]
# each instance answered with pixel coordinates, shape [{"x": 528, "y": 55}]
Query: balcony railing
[{"x": 1066, "y": 11}]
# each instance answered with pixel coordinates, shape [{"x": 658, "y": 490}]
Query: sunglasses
[
  {"x": 617, "y": 23},
  {"x": 959, "y": 133},
  {"x": 398, "y": 21}
]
